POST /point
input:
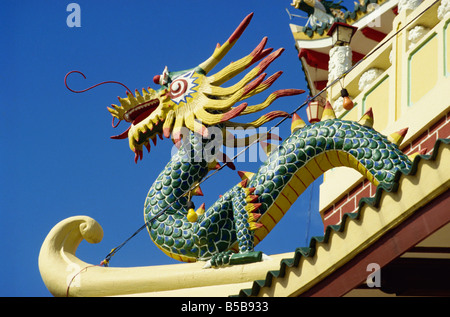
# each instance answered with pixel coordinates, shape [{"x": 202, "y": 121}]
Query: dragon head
[{"x": 191, "y": 99}]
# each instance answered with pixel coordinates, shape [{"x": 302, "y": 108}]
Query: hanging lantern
[
  {"x": 341, "y": 33},
  {"x": 314, "y": 111},
  {"x": 347, "y": 102}
]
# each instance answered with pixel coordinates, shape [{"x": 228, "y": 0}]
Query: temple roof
[{"x": 313, "y": 43}]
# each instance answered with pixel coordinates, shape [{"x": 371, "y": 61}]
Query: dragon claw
[
  {"x": 229, "y": 258},
  {"x": 221, "y": 259}
]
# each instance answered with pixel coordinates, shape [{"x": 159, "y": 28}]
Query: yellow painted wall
[
  {"x": 422, "y": 69},
  {"x": 352, "y": 115},
  {"x": 378, "y": 99}
]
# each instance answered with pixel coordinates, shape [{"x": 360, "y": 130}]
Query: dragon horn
[{"x": 222, "y": 50}]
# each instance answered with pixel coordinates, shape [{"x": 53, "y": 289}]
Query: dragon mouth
[
  {"x": 140, "y": 135},
  {"x": 140, "y": 112},
  {"x": 137, "y": 114},
  {"x": 143, "y": 127}
]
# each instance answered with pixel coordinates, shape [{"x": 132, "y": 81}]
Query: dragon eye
[
  {"x": 177, "y": 88},
  {"x": 182, "y": 87}
]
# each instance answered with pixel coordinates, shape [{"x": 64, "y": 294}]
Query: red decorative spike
[
  {"x": 251, "y": 198},
  {"x": 297, "y": 123},
  {"x": 397, "y": 137},
  {"x": 197, "y": 191},
  {"x": 403, "y": 132},
  {"x": 240, "y": 29},
  {"x": 256, "y": 215},
  {"x": 254, "y": 226},
  {"x": 249, "y": 190},
  {"x": 243, "y": 183}
]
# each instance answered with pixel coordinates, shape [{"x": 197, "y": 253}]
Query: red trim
[
  {"x": 320, "y": 84},
  {"x": 356, "y": 57},
  {"x": 320, "y": 60},
  {"x": 373, "y": 34},
  {"x": 315, "y": 59}
]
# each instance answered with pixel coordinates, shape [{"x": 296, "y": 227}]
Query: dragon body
[
  {"x": 247, "y": 212},
  {"x": 195, "y": 112}
]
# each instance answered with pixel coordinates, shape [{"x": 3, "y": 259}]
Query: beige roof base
[{"x": 66, "y": 275}]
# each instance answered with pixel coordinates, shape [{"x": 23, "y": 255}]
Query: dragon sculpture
[{"x": 194, "y": 111}]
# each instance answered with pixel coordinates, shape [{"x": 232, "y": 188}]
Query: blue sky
[{"x": 57, "y": 159}]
